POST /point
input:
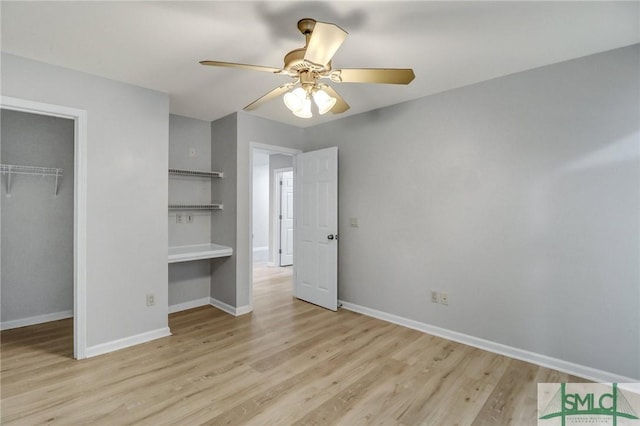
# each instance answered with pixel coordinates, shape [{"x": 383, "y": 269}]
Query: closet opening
[{"x": 42, "y": 227}]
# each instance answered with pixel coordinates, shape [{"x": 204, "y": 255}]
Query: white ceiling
[{"x": 449, "y": 44}]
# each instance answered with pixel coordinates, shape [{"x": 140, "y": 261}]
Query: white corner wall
[
  {"x": 519, "y": 197},
  {"x": 257, "y": 130},
  {"x": 127, "y": 162}
]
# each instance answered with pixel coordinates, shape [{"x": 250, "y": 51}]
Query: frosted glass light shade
[
  {"x": 305, "y": 111},
  {"x": 294, "y": 99},
  {"x": 323, "y": 101}
]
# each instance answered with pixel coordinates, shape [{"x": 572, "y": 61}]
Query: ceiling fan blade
[
  {"x": 324, "y": 42},
  {"x": 269, "y": 96},
  {"x": 243, "y": 66},
  {"x": 340, "y": 106},
  {"x": 373, "y": 75}
]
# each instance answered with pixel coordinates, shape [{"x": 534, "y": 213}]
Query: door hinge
[
  {"x": 279, "y": 251},
  {"x": 280, "y": 183},
  {"x": 280, "y": 217}
]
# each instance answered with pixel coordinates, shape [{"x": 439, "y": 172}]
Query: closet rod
[{"x": 11, "y": 169}]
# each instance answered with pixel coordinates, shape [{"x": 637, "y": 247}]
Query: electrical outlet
[
  {"x": 189, "y": 218},
  {"x": 434, "y": 296},
  {"x": 179, "y": 218},
  {"x": 192, "y": 152},
  {"x": 444, "y": 298},
  {"x": 151, "y": 299}
]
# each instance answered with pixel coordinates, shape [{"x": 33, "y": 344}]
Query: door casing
[{"x": 79, "y": 118}]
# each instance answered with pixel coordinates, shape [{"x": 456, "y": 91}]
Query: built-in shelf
[
  {"x": 14, "y": 169},
  {"x": 198, "y": 252},
  {"x": 195, "y": 173},
  {"x": 195, "y": 206}
]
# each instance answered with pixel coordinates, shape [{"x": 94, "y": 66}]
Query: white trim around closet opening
[{"x": 80, "y": 208}]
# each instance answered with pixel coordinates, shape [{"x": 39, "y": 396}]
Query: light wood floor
[{"x": 288, "y": 362}]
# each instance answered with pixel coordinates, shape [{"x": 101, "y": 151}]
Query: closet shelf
[
  {"x": 195, "y": 206},
  {"x": 195, "y": 173},
  {"x": 11, "y": 169},
  {"x": 198, "y": 252}
]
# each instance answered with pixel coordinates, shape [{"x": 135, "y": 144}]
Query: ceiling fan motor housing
[{"x": 294, "y": 61}]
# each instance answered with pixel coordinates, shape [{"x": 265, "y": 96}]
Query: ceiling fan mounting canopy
[
  {"x": 312, "y": 62},
  {"x": 305, "y": 25}
]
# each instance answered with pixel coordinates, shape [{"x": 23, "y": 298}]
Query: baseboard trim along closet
[
  {"x": 114, "y": 345},
  {"x": 189, "y": 305},
  {"x": 38, "y": 319},
  {"x": 231, "y": 310},
  {"x": 497, "y": 348}
]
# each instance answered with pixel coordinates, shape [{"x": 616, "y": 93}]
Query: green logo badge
[{"x": 588, "y": 403}]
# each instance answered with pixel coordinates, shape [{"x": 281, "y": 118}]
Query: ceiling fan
[{"x": 312, "y": 63}]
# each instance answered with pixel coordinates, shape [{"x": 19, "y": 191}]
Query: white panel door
[
  {"x": 286, "y": 219},
  {"x": 316, "y": 243}
]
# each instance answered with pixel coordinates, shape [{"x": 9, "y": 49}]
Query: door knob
[{"x": 331, "y": 237}]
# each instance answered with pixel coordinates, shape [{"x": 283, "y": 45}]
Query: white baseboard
[
  {"x": 114, "y": 345},
  {"x": 39, "y": 319},
  {"x": 231, "y": 310},
  {"x": 498, "y": 348},
  {"x": 243, "y": 310},
  {"x": 188, "y": 305},
  {"x": 260, "y": 254}
]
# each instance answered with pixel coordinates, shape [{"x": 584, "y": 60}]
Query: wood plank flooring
[{"x": 288, "y": 362}]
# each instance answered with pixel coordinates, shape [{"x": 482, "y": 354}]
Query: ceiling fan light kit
[
  {"x": 299, "y": 103},
  {"x": 313, "y": 62}
]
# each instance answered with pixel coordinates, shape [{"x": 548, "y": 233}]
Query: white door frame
[
  {"x": 79, "y": 117},
  {"x": 277, "y": 207},
  {"x": 274, "y": 149}
]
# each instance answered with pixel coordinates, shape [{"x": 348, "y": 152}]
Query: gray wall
[
  {"x": 517, "y": 196},
  {"x": 231, "y": 137},
  {"x": 127, "y": 159},
  {"x": 224, "y": 223},
  {"x": 37, "y": 226},
  {"x": 189, "y": 281}
]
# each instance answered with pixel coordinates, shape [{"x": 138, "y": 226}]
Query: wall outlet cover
[{"x": 444, "y": 298}]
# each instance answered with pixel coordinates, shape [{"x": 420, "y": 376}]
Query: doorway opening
[
  {"x": 58, "y": 133},
  {"x": 272, "y": 224}
]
